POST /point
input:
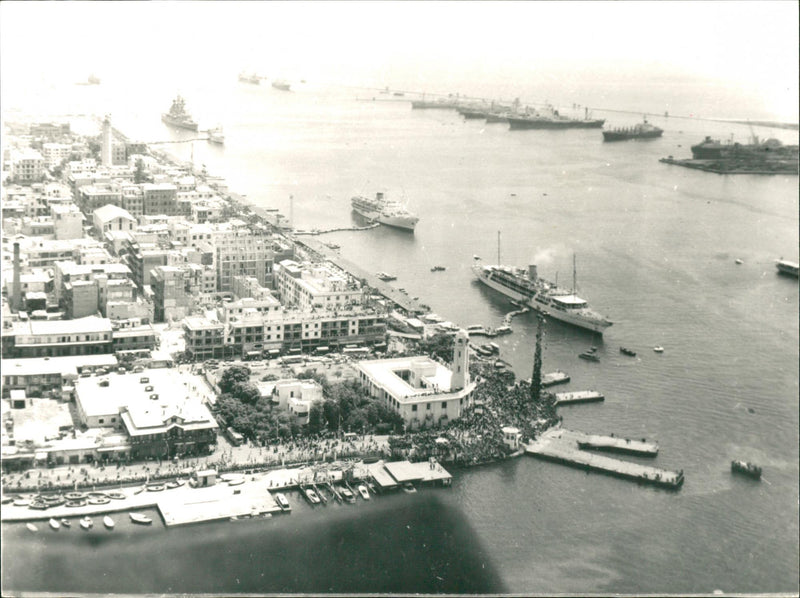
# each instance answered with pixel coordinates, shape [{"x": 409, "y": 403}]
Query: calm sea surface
[{"x": 655, "y": 247}]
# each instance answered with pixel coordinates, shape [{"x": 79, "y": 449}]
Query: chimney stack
[{"x": 16, "y": 290}]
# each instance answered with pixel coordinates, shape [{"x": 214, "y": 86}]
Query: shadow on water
[{"x": 396, "y": 544}]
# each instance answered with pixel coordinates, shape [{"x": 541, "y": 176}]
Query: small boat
[
  {"x": 115, "y": 495},
  {"x": 658, "y": 349},
  {"x": 385, "y": 277},
  {"x": 139, "y": 490},
  {"x": 140, "y": 519},
  {"x": 438, "y": 269},
  {"x": 372, "y": 487},
  {"x": 409, "y": 487},
  {"x": 589, "y": 356},
  {"x": 347, "y": 495},
  {"x": 7, "y": 500},
  {"x": 65, "y": 522},
  {"x": 746, "y": 468},
  {"x": 108, "y": 522},
  {"x": 75, "y": 495},
  {"x": 54, "y": 524},
  {"x": 629, "y": 352},
  {"x": 362, "y": 490},
  {"x": 86, "y": 522},
  {"x": 312, "y": 496},
  {"x": 22, "y": 502},
  {"x": 282, "y": 502},
  {"x": 99, "y": 500},
  {"x": 39, "y": 505},
  {"x": 503, "y": 330},
  {"x": 216, "y": 136},
  {"x": 31, "y": 527},
  {"x": 155, "y": 488},
  {"x": 236, "y": 482},
  {"x": 76, "y": 503},
  {"x": 172, "y": 484},
  {"x": 738, "y": 261}
]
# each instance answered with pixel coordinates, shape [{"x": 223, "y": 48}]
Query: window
[
  {"x": 413, "y": 407},
  {"x": 428, "y": 407}
]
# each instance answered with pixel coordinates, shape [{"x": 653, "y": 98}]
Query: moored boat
[
  {"x": 382, "y": 210},
  {"x": 140, "y": 518},
  {"x": 589, "y": 356},
  {"x": 552, "y": 120},
  {"x": 628, "y": 352},
  {"x": 65, "y": 522},
  {"x": 385, "y": 277},
  {"x": 746, "y": 468},
  {"x": 54, "y": 524},
  {"x": 312, "y": 496},
  {"x": 346, "y": 494},
  {"x": 216, "y": 136},
  {"x": 108, "y": 522},
  {"x": 362, "y": 490},
  {"x": 643, "y": 130},
  {"x": 86, "y": 522},
  {"x": 527, "y": 288},
  {"x": 31, "y": 527},
  {"x": 409, "y": 488},
  {"x": 283, "y": 503},
  {"x": 788, "y": 268},
  {"x": 658, "y": 349}
]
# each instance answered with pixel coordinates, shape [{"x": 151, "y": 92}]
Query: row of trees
[{"x": 345, "y": 406}]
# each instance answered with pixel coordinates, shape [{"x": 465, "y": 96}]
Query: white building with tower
[{"x": 423, "y": 391}]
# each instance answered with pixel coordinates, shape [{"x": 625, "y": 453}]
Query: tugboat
[
  {"x": 628, "y": 352},
  {"x": 746, "y": 468},
  {"x": 590, "y": 355},
  {"x": 216, "y": 136}
]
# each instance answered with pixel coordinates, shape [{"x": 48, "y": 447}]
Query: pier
[
  {"x": 561, "y": 446},
  {"x": 599, "y": 442},
  {"x": 395, "y": 295},
  {"x": 580, "y": 396},
  {"x": 554, "y": 378}
]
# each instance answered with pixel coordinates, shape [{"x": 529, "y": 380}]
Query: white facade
[{"x": 67, "y": 221}]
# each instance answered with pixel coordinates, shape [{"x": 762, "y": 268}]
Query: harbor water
[{"x": 655, "y": 249}]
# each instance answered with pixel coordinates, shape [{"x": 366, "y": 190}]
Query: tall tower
[
  {"x": 460, "y": 366},
  {"x": 16, "y": 289},
  {"x": 105, "y": 154}
]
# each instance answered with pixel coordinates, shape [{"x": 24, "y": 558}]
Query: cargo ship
[
  {"x": 553, "y": 120},
  {"x": 545, "y": 297},
  {"x": 178, "y": 117},
  {"x": 390, "y": 213},
  {"x": 641, "y": 131}
]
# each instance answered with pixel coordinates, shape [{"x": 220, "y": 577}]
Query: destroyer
[
  {"x": 178, "y": 117},
  {"x": 543, "y": 296},
  {"x": 390, "y": 213}
]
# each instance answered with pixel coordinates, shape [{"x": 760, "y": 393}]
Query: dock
[
  {"x": 580, "y": 396},
  {"x": 395, "y": 295},
  {"x": 561, "y": 446}
]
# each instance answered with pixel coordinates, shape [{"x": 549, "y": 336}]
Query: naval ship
[{"x": 178, "y": 117}]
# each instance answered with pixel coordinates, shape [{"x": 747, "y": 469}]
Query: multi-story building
[
  {"x": 54, "y": 376},
  {"x": 237, "y": 252},
  {"x": 423, "y": 391},
  {"x": 154, "y": 409},
  {"x": 91, "y": 197},
  {"x": 67, "y": 221},
  {"x": 27, "y": 166},
  {"x": 141, "y": 260},
  {"x": 309, "y": 286},
  {"x": 54, "y": 338},
  {"x": 133, "y": 200},
  {"x": 68, "y": 271},
  {"x": 55, "y": 153},
  {"x": 135, "y": 338},
  {"x": 79, "y": 298},
  {"x": 171, "y": 297},
  {"x": 205, "y": 339},
  {"x": 159, "y": 198}
]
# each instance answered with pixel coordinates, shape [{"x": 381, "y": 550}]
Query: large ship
[
  {"x": 251, "y": 78},
  {"x": 756, "y": 157},
  {"x": 178, "y": 117},
  {"x": 524, "y": 286},
  {"x": 553, "y": 120},
  {"x": 390, "y": 213},
  {"x": 282, "y": 85},
  {"x": 641, "y": 131}
]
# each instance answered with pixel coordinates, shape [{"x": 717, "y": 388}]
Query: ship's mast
[
  {"x": 498, "y": 248},
  {"x": 574, "y": 274}
]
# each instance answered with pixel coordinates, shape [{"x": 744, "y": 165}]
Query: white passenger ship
[
  {"x": 380, "y": 209},
  {"x": 545, "y": 297}
]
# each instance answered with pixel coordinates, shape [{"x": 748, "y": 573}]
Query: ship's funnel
[
  {"x": 16, "y": 289},
  {"x": 532, "y": 272}
]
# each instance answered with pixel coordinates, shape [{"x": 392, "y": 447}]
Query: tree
[
  {"x": 439, "y": 346},
  {"x": 139, "y": 175},
  {"x": 536, "y": 378},
  {"x": 316, "y": 417},
  {"x": 237, "y": 374}
]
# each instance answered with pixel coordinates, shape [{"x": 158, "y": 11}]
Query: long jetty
[
  {"x": 561, "y": 446},
  {"x": 395, "y": 295},
  {"x": 599, "y": 442}
]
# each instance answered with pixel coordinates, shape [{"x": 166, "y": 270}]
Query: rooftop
[
  {"x": 433, "y": 377},
  {"x": 55, "y": 365}
]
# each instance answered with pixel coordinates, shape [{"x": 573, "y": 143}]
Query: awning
[{"x": 41, "y": 456}]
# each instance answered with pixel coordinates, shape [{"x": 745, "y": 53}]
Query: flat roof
[
  {"x": 87, "y": 325},
  {"x": 54, "y": 365},
  {"x": 383, "y": 373}
]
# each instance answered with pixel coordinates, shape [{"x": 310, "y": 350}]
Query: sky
[{"x": 748, "y": 45}]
